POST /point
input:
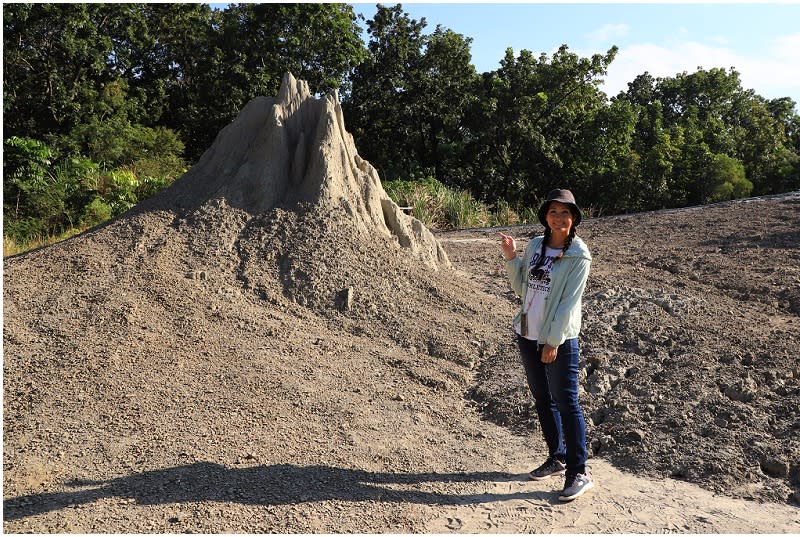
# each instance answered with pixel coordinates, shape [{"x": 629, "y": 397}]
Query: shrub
[
  {"x": 97, "y": 212},
  {"x": 726, "y": 180},
  {"x": 25, "y": 174},
  {"x": 117, "y": 143},
  {"x": 33, "y": 197},
  {"x": 46, "y": 196}
]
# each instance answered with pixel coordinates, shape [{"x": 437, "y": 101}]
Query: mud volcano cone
[
  {"x": 294, "y": 149},
  {"x": 312, "y": 214}
]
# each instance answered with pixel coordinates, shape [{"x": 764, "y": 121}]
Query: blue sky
[{"x": 761, "y": 41}]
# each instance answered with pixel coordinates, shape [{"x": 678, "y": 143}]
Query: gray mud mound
[
  {"x": 280, "y": 214},
  {"x": 272, "y": 307},
  {"x": 314, "y": 219}
]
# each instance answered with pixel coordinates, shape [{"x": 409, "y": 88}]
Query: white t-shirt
[{"x": 538, "y": 289}]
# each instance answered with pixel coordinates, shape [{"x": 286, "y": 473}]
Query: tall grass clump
[
  {"x": 464, "y": 211},
  {"x": 440, "y": 207},
  {"x": 503, "y": 215},
  {"x": 420, "y": 198}
]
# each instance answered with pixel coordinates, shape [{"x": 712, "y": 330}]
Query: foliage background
[{"x": 104, "y": 104}]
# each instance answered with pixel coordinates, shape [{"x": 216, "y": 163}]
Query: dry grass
[{"x": 12, "y": 247}]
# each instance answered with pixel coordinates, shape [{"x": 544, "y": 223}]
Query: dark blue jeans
[{"x": 555, "y": 390}]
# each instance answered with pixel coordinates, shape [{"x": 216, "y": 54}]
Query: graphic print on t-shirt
[
  {"x": 539, "y": 278},
  {"x": 538, "y": 289}
]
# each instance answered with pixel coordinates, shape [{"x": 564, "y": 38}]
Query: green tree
[
  {"x": 440, "y": 94},
  {"x": 606, "y": 167},
  {"x": 533, "y": 116},
  {"x": 761, "y": 143},
  {"x": 711, "y": 95},
  {"x": 657, "y": 146},
  {"x": 695, "y": 130},
  {"x": 726, "y": 180},
  {"x": 166, "y": 49},
  {"x": 379, "y": 106},
  {"x": 658, "y": 166},
  {"x": 244, "y": 54},
  {"x": 736, "y": 123},
  {"x": 56, "y": 68},
  {"x": 686, "y": 186},
  {"x": 181, "y": 66}
]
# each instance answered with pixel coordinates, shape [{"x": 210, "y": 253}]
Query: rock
[
  {"x": 680, "y": 471},
  {"x": 344, "y": 299},
  {"x": 743, "y": 390},
  {"x": 794, "y": 479},
  {"x": 637, "y": 435},
  {"x": 775, "y": 467},
  {"x": 597, "y": 359},
  {"x": 197, "y": 275},
  {"x": 599, "y": 383}
]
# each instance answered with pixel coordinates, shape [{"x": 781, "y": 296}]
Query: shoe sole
[
  {"x": 542, "y": 478},
  {"x": 588, "y": 486}
]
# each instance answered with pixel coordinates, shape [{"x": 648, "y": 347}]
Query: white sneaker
[{"x": 575, "y": 486}]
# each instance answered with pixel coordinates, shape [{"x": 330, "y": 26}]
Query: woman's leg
[
  {"x": 546, "y": 409},
  {"x": 562, "y": 377}
]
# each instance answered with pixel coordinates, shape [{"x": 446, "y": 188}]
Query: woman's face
[{"x": 559, "y": 217}]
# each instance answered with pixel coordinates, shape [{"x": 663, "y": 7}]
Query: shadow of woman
[{"x": 264, "y": 485}]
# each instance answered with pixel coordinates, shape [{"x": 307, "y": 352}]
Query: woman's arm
[{"x": 517, "y": 267}]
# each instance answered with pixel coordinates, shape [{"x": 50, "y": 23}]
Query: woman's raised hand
[{"x": 508, "y": 245}]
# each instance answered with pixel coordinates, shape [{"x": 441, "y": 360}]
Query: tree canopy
[{"x": 143, "y": 88}]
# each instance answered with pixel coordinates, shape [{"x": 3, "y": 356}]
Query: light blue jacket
[{"x": 562, "y": 315}]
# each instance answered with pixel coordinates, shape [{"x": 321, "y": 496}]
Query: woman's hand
[
  {"x": 509, "y": 246},
  {"x": 549, "y": 354}
]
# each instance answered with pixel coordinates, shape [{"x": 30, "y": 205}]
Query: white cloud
[
  {"x": 787, "y": 47},
  {"x": 720, "y": 40},
  {"x": 607, "y": 33}
]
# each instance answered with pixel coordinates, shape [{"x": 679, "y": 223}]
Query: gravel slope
[{"x": 203, "y": 373}]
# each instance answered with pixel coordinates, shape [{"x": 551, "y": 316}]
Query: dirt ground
[{"x": 223, "y": 372}]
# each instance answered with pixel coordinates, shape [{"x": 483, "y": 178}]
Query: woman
[{"x": 551, "y": 278}]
